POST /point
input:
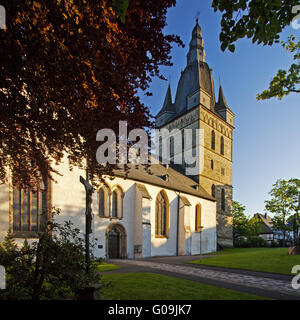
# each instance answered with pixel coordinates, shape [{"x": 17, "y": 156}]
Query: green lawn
[
  {"x": 275, "y": 260},
  {"x": 103, "y": 266},
  {"x": 151, "y": 286}
]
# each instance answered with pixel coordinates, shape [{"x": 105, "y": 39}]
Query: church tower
[{"x": 195, "y": 107}]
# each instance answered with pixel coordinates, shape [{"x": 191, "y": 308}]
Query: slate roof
[
  {"x": 267, "y": 223},
  {"x": 164, "y": 177},
  {"x": 168, "y": 105}
]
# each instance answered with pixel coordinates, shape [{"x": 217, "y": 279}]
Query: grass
[
  {"x": 151, "y": 286},
  {"x": 274, "y": 260},
  {"x": 103, "y": 266}
]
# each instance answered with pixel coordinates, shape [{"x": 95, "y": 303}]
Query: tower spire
[
  {"x": 222, "y": 101},
  {"x": 196, "y": 51}
]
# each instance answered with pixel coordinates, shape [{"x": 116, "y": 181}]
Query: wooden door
[{"x": 114, "y": 244}]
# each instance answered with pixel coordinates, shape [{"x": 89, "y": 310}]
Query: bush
[
  {"x": 51, "y": 268},
  {"x": 274, "y": 244},
  {"x": 251, "y": 242}
]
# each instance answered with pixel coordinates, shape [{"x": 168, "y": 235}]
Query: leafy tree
[
  {"x": 239, "y": 219},
  {"x": 242, "y": 225},
  {"x": 69, "y": 69},
  {"x": 261, "y": 21},
  {"x": 284, "y": 201},
  {"x": 254, "y": 227},
  {"x": 51, "y": 268}
]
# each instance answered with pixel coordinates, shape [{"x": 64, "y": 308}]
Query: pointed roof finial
[{"x": 197, "y": 16}]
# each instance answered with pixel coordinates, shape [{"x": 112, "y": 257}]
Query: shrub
[
  {"x": 274, "y": 244},
  {"x": 51, "y": 268},
  {"x": 250, "y": 242}
]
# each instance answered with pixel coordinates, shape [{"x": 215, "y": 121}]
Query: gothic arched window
[
  {"x": 213, "y": 140},
  {"x": 162, "y": 215},
  {"x": 101, "y": 202},
  {"x": 103, "y": 208},
  {"x": 223, "y": 199},
  {"x": 222, "y": 146},
  {"x": 213, "y": 190},
  {"x": 114, "y": 205},
  {"x": 30, "y": 209},
  {"x": 198, "y": 218},
  {"x": 117, "y": 202}
]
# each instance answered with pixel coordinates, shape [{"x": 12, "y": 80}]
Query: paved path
[{"x": 268, "y": 285}]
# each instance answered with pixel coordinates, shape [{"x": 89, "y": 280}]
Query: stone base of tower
[{"x": 224, "y": 231}]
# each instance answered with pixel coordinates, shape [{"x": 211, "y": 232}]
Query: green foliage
[
  {"x": 285, "y": 82},
  {"x": 284, "y": 202},
  {"x": 51, "y": 268},
  {"x": 274, "y": 244},
  {"x": 121, "y": 8},
  {"x": 261, "y": 21},
  {"x": 242, "y": 225},
  {"x": 251, "y": 242}
]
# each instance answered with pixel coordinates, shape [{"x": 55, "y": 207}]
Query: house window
[
  {"x": 222, "y": 146},
  {"x": 213, "y": 190},
  {"x": 30, "y": 210},
  {"x": 223, "y": 199},
  {"x": 198, "y": 218},
  {"x": 213, "y": 140},
  {"x": 162, "y": 215}
]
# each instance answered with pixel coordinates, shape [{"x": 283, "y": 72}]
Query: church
[{"x": 165, "y": 213}]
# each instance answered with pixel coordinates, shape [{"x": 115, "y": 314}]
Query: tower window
[
  {"x": 213, "y": 140},
  {"x": 223, "y": 199},
  {"x": 222, "y": 146},
  {"x": 213, "y": 190},
  {"x": 212, "y": 164}
]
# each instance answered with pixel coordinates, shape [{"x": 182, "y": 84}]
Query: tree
[
  {"x": 284, "y": 200},
  {"x": 242, "y": 225},
  {"x": 239, "y": 219},
  {"x": 69, "y": 69},
  {"x": 261, "y": 21}
]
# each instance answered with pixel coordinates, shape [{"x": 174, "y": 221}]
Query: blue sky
[{"x": 267, "y": 133}]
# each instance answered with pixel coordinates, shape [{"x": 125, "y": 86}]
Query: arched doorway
[{"x": 116, "y": 242}]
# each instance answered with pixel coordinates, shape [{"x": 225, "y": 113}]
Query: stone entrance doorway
[{"x": 116, "y": 242}]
